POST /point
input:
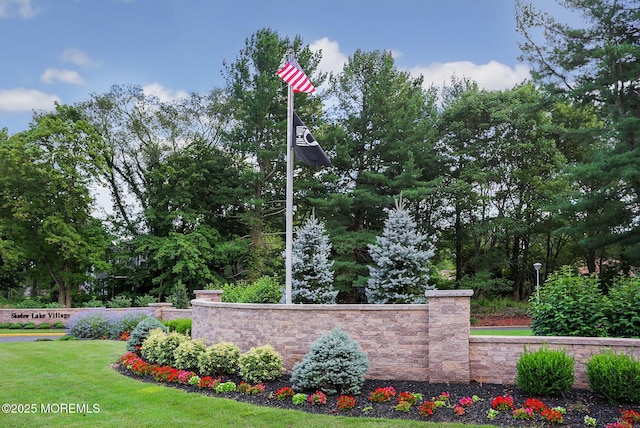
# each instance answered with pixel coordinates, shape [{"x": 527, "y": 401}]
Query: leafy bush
[
  {"x": 120, "y": 301},
  {"x": 615, "y": 376},
  {"x": 29, "y": 326},
  {"x": 569, "y": 305},
  {"x": 334, "y": 364},
  {"x": 260, "y": 364},
  {"x": 188, "y": 353},
  {"x": 220, "y": 358},
  {"x": 143, "y": 301},
  {"x": 624, "y": 309},
  {"x": 44, "y": 326},
  {"x": 265, "y": 290},
  {"x": 93, "y": 325},
  {"x": 180, "y": 325},
  {"x": 179, "y": 296},
  {"x": 15, "y": 325},
  {"x": 545, "y": 372},
  {"x": 59, "y": 324},
  {"x": 53, "y": 305},
  {"x": 130, "y": 320},
  {"x": 141, "y": 332},
  {"x": 158, "y": 348},
  {"x": 5, "y": 325},
  {"x": 93, "y": 303},
  {"x": 29, "y": 304}
]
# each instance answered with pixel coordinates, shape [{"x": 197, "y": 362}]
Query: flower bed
[{"x": 498, "y": 405}]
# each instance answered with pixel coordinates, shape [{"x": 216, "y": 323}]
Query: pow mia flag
[{"x": 306, "y": 147}]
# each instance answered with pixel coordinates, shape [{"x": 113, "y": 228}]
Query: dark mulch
[{"x": 578, "y": 402}]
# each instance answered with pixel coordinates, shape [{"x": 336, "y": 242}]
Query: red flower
[
  {"x": 502, "y": 402},
  {"x": 346, "y": 402},
  {"x": 427, "y": 408}
]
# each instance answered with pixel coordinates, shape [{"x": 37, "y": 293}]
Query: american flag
[{"x": 294, "y": 76}]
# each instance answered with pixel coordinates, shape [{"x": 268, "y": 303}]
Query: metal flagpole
[{"x": 289, "y": 194}]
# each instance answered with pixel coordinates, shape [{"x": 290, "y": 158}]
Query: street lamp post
[{"x": 537, "y": 267}]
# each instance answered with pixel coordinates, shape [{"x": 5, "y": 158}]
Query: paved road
[{"x": 28, "y": 337}]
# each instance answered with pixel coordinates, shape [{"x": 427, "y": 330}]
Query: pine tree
[
  {"x": 312, "y": 280},
  {"x": 400, "y": 255}
]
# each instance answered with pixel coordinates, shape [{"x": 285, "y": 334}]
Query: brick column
[
  {"x": 158, "y": 307},
  {"x": 449, "y": 330},
  {"x": 210, "y": 295}
]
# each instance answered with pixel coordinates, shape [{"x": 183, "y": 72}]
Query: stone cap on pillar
[
  {"x": 210, "y": 295},
  {"x": 448, "y": 293}
]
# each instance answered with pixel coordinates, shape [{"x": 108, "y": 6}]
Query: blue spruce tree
[
  {"x": 312, "y": 277},
  {"x": 401, "y": 255}
]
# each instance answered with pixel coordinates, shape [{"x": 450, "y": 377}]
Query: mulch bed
[{"x": 578, "y": 402}]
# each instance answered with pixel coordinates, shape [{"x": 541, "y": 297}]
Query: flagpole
[{"x": 289, "y": 195}]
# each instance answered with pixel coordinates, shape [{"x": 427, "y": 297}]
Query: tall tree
[
  {"x": 598, "y": 65},
  {"x": 312, "y": 277},
  {"x": 45, "y": 200},
  {"x": 401, "y": 254},
  {"x": 380, "y": 139},
  {"x": 258, "y": 100}
]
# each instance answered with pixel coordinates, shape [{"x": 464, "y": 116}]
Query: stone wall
[
  {"x": 394, "y": 336},
  {"x": 493, "y": 359}
]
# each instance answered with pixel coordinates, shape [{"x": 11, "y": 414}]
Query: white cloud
[
  {"x": 22, "y": 8},
  {"x": 164, "y": 94},
  {"x": 491, "y": 76},
  {"x": 76, "y": 57},
  {"x": 332, "y": 59},
  {"x": 20, "y": 99},
  {"x": 52, "y": 75}
]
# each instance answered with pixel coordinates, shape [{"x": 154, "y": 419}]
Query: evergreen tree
[
  {"x": 312, "y": 280},
  {"x": 401, "y": 255}
]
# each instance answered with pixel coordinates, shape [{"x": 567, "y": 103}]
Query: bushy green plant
[
  {"x": 53, "y": 305},
  {"x": 58, "y": 324},
  {"x": 15, "y": 325},
  {"x": 334, "y": 364},
  {"x": 93, "y": 325},
  {"x": 180, "y": 325},
  {"x": 29, "y": 304},
  {"x": 545, "y": 372},
  {"x": 130, "y": 320},
  {"x": 5, "y": 325},
  {"x": 226, "y": 387},
  {"x": 93, "y": 303},
  {"x": 141, "y": 332},
  {"x": 158, "y": 348},
  {"x": 624, "y": 307},
  {"x": 188, "y": 353},
  {"x": 29, "y": 326},
  {"x": 265, "y": 290},
  {"x": 615, "y": 376},
  {"x": 143, "y": 301},
  {"x": 260, "y": 364},
  {"x": 44, "y": 326},
  {"x": 120, "y": 301},
  {"x": 219, "y": 358},
  {"x": 179, "y": 296},
  {"x": 569, "y": 305}
]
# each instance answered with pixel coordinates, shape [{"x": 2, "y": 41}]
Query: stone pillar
[
  {"x": 158, "y": 307},
  {"x": 210, "y": 295},
  {"x": 449, "y": 330}
]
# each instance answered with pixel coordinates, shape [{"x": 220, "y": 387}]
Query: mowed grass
[
  {"x": 33, "y": 331},
  {"x": 501, "y": 332},
  {"x": 55, "y": 373}
]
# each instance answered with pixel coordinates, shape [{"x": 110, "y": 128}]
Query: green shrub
[
  {"x": 624, "y": 308},
  {"x": 179, "y": 296},
  {"x": 569, "y": 305},
  {"x": 29, "y": 326},
  {"x": 29, "y": 304},
  {"x": 93, "y": 325},
  {"x": 44, "y": 326},
  {"x": 158, "y": 348},
  {"x": 180, "y": 325},
  {"x": 53, "y": 305},
  {"x": 93, "y": 303},
  {"x": 334, "y": 364},
  {"x": 188, "y": 353},
  {"x": 219, "y": 358},
  {"x": 260, "y": 364},
  {"x": 545, "y": 372},
  {"x": 130, "y": 320},
  {"x": 265, "y": 290},
  {"x": 615, "y": 376},
  {"x": 141, "y": 332},
  {"x": 59, "y": 324},
  {"x": 5, "y": 325},
  {"x": 120, "y": 301},
  {"x": 15, "y": 325},
  {"x": 143, "y": 301}
]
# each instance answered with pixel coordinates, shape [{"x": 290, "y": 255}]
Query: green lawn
[
  {"x": 34, "y": 331},
  {"x": 53, "y": 374}
]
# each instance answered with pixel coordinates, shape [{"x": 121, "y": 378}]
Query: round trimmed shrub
[
  {"x": 5, "y": 325},
  {"x": 334, "y": 364},
  {"x": 260, "y": 364},
  {"x": 615, "y": 376},
  {"x": 158, "y": 348},
  {"x": 141, "y": 332},
  {"x": 188, "y": 353},
  {"x": 545, "y": 372},
  {"x": 219, "y": 358},
  {"x": 44, "y": 326},
  {"x": 29, "y": 326}
]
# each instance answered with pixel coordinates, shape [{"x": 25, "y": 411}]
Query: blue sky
[{"x": 65, "y": 50}]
